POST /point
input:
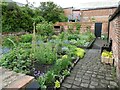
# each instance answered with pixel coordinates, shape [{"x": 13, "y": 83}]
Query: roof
[
  {"x": 68, "y": 8},
  {"x": 100, "y": 8},
  {"x": 116, "y": 13},
  {"x": 99, "y": 5},
  {"x": 76, "y": 9}
]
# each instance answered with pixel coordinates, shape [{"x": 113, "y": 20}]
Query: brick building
[
  {"x": 114, "y": 35},
  {"x": 68, "y": 11},
  {"x": 97, "y": 15}
]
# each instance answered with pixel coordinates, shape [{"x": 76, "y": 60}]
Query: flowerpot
[
  {"x": 111, "y": 61},
  {"x": 105, "y": 60}
]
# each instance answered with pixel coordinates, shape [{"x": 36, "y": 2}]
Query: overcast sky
[{"x": 67, "y": 3}]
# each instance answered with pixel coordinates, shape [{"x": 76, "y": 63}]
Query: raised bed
[
  {"x": 70, "y": 68},
  {"x": 89, "y": 45}
]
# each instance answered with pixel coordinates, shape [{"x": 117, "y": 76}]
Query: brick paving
[{"x": 89, "y": 72}]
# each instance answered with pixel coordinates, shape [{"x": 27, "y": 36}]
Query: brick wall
[
  {"x": 67, "y": 11},
  {"x": 115, "y": 36},
  {"x": 83, "y": 28},
  {"x": 100, "y": 15}
]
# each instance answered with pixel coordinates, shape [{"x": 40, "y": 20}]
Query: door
[{"x": 98, "y": 29}]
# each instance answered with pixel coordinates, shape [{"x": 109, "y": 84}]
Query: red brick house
[{"x": 114, "y": 35}]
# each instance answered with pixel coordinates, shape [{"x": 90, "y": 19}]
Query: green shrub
[
  {"x": 41, "y": 81},
  {"x": 14, "y": 19},
  {"x": 72, "y": 36},
  {"x": 66, "y": 72},
  {"x": 38, "y": 19},
  {"x": 78, "y": 26},
  {"x": 25, "y": 45},
  {"x": 63, "y": 36},
  {"x": 45, "y": 28},
  {"x": 8, "y": 43},
  {"x": 61, "y": 64},
  {"x": 26, "y": 38},
  {"x": 49, "y": 78},
  {"x": 45, "y": 54}
]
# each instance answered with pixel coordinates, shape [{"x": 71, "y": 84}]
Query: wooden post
[
  {"x": 33, "y": 44},
  {"x": 34, "y": 38}
]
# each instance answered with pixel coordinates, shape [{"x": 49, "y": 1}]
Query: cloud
[{"x": 66, "y": 3}]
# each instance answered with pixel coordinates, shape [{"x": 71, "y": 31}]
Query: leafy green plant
[
  {"x": 25, "y": 45},
  {"x": 73, "y": 42},
  {"x": 104, "y": 36},
  {"x": 72, "y": 36},
  {"x": 45, "y": 54},
  {"x": 49, "y": 78},
  {"x": 26, "y": 38},
  {"x": 78, "y": 26},
  {"x": 62, "y": 36},
  {"x": 8, "y": 41},
  {"x": 80, "y": 52},
  {"x": 45, "y": 28},
  {"x": 70, "y": 28},
  {"x": 17, "y": 60},
  {"x": 81, "y": 42},
  {"x": 66, "y": 72},
  {"x": 41, "y": 81},
  {"x": 61, "y": 64}
]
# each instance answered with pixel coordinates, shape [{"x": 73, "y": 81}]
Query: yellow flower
[
  {"x": 57, "y": 84},
  {"x": 64, "y": 56}
]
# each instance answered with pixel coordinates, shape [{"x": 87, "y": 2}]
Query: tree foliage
[
  {"x": 15, "y": 19},
  {"x": 51, "y": 12},
  {"x": 45, "y": 28}
]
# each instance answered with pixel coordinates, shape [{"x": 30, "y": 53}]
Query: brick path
[{"x": 89, "y": 72}]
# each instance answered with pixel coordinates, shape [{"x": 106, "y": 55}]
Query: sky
[{"x": 70, "y": 3}]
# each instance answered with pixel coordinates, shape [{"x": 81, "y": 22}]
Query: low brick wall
[{"x": 83, "y": 28}]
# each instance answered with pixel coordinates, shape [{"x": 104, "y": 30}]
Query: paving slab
[
  {"x": 89, "y": 72},
  {"x": 12, "y": 80}
]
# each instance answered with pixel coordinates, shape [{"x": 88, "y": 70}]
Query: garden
[
  {"x": 44, "y": 55},
  {"x": 41, "y": 53}
]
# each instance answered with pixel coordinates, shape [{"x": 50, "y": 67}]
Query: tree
[
  {"x": 15, "y": 18},
  {"x": 51, "y": 12}
]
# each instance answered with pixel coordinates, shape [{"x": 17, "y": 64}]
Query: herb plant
[{"x": 45, "y": 54}]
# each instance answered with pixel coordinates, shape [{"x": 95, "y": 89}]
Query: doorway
[{"x": 98, "y": 29}]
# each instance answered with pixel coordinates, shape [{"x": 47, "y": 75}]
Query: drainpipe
[{"x": 108, "y": 30}]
